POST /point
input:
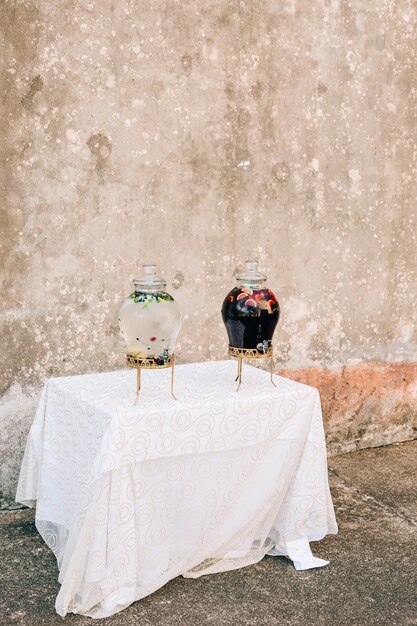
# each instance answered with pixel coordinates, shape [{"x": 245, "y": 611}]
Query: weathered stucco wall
[{"x": 196, "y": 134}]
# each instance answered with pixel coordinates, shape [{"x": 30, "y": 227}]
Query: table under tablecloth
[{"x": 129, "y": 497}]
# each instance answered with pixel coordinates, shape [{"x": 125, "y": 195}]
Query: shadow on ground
[{"x": 371, "y": 580}]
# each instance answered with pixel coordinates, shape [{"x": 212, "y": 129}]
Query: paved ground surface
[{"x": 371, "y": 580}]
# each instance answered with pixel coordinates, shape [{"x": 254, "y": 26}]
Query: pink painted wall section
[{"x": 365, "y": 405}]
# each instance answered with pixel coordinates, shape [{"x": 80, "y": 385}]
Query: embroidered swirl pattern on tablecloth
[{"x": 128, "y": 497}]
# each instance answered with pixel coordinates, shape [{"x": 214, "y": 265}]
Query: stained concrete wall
[{"x": 196, "y": 134}]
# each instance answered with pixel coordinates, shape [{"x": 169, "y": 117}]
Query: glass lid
[
  {"x": 149, "y": 281},
  {"x": 250, "y": 275}
]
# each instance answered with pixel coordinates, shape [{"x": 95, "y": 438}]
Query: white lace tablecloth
[{"x": 128, "y": 497}]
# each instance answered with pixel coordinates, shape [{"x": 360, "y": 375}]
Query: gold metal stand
[
  {"x": 250, "y": 353},
  {"x": 140, "y": 363}
]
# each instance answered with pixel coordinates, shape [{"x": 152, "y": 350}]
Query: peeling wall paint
[
  {"x": 195, "y": 135},
  {"x": 365, "y": 405}
]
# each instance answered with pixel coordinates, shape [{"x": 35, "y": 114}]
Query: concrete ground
[{"x": 371, "y": 580}]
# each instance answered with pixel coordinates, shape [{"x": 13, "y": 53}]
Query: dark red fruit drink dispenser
[{"x": 250, "y": 313}]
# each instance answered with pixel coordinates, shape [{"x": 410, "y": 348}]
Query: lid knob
[
  {"x": 149, "y": 280},
  {"x": 250, "y": 275},
  {"x": 149, "y": 270},
  {"x": 251, "y": 266}
]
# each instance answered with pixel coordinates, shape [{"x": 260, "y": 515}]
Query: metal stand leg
[
  {"x": 137, "y": 383},
  {"x": 172, "y": 382},
  {"x": 239, "y": 372},
  {"x": 251, "y": 353},
  {"x": 272, "y": 370}
]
